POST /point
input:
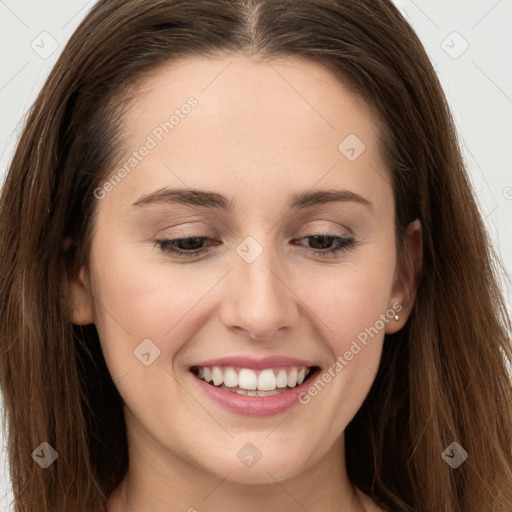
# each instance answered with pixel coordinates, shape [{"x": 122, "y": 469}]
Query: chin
[{"x": 269, "y": 468}]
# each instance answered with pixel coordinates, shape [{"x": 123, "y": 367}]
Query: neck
[{"x": 168, "y": 483}]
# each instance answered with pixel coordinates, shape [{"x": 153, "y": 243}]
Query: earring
[{"x": 396, "y": 317}]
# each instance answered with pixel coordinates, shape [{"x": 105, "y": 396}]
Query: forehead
[
  {"x": 257, "y": 123},
  {"x": 236, "y": 88}
]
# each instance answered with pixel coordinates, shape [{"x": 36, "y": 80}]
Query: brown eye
[
  {"x": 322, "y": 245},
  {"x": 188, "y": 247}
]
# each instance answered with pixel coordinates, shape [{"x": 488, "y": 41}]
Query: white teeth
[
  {"x": 217, "y": 376},
  {"x": 292, "y": 378},
  {"x": 230, "y": 378},
  {"x": 250, "y": 382},
  {"x": 267, "y": 380},
  {"x": 247, "y": 379},
  {"x": 207, "y": 374},
  {"x": 282, "y": 379}
]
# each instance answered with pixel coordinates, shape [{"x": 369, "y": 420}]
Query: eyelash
[{"x": 344, "y": 243}]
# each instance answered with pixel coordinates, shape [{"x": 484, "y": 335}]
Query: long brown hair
[{"x": 442, "y": 378}]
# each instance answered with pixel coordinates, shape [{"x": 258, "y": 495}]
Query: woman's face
[{"x": 257, "y": 306}]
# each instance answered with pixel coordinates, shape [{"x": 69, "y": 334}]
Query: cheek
[
  {"x": 348, "y": 303},
  {"x": 145, "y": 313},
  {"x": 349, "y": 298},
  {"x": 137, "y": 300}
]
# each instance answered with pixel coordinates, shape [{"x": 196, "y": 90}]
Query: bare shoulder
[{"x": 368, "y": 503}]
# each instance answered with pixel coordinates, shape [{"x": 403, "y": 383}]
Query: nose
[{"x": 258, "y": 298}]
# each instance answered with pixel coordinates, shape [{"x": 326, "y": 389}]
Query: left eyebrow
[
  {"x": 207, "y": 199},
  {"x": 319, "y": 197}
]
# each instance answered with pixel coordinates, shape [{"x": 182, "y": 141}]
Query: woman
[{"x": 244, "y": 270}]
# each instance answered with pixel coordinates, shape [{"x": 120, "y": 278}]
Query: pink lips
[
  {"x": 259, "y": 406},
  {"x": 256, "y": 364}
]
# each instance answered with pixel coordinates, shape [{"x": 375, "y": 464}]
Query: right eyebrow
[{"x": 187, "y": 197}]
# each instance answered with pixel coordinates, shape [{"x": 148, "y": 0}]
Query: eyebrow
[{"x": 207, "y": 199}]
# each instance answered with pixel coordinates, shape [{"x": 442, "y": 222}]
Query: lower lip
[{"x": 254, "y": 405}]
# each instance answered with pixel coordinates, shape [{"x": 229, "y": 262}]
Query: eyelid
[
  {"x": 184, "y": 231},
  {"x": 323, "y": 231}
]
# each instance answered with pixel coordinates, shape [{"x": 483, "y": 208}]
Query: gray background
[{"x": 476, "y": 79}]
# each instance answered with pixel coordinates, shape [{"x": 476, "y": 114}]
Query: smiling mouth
[{"x": 249, "y": 382}]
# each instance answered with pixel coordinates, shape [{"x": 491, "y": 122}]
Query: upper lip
[{"x": 255, "y": 363}]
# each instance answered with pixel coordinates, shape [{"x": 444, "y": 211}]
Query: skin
[{"x": 261, "y": 131}]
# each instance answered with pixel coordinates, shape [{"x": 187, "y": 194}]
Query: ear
[
  {"x": 405, "y": 282},
  {"x": 77, "y": 287}
]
